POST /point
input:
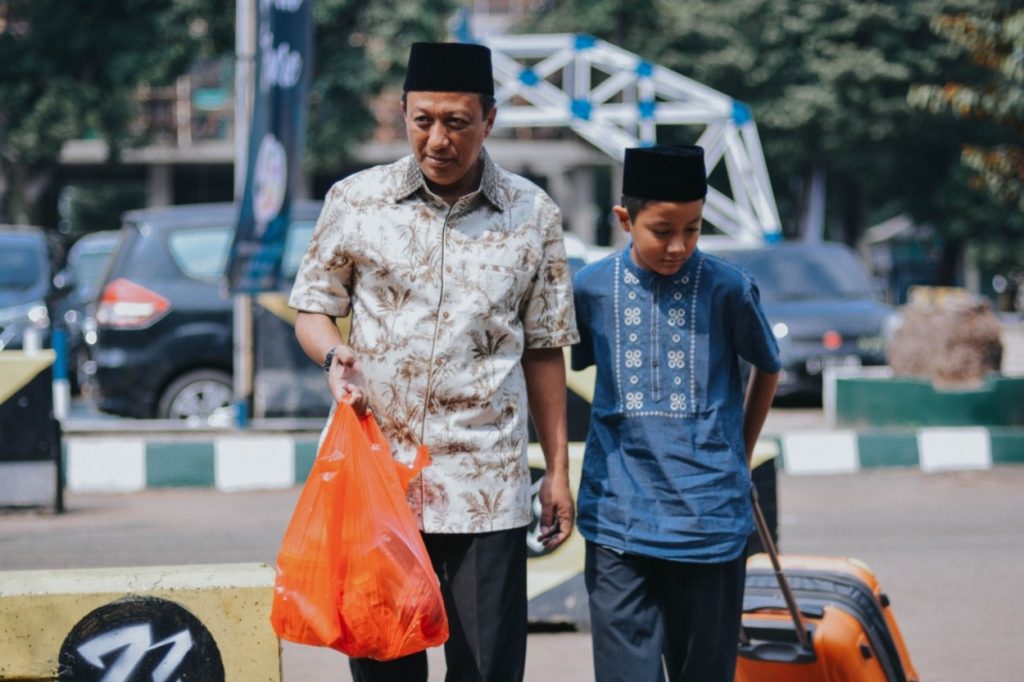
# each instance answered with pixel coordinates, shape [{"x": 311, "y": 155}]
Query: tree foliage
[
  {"x": 68, "y": 69},
  {"x": 827, "y": 83},
  {"x": 994, "y": 42},
  {"x": 361, "y": 48}
]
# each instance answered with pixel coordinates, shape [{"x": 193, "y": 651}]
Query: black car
[
  {"x": 822, "y": 306},
  {"x": 164, "y": 334},
  {"x": 28, "y": 260},
  {"x": 86, "y": 262}
]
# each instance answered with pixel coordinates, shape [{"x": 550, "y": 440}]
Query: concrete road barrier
[
  {"x": 208, "y": 622},
  {"x": 30, "y": 436}
]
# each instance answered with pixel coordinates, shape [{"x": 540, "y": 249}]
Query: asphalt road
[{"x": 949, "y": 550}]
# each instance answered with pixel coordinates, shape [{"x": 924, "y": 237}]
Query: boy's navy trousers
[{"x": 644, "y": 609}]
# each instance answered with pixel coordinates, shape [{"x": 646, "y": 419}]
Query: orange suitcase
[{"x": 817, "y": 618}]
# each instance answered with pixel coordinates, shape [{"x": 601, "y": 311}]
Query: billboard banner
[{"x": 283, "y": 67}]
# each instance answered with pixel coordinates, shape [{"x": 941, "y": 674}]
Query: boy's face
[{"x": 664, "y": 234}]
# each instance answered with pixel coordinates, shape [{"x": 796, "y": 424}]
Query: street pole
[{"x": 245, "y": 49}]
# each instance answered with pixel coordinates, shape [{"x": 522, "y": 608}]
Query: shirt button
[
  {"x": 448, "y": 269},
  {"x": 445, "y": 315}
]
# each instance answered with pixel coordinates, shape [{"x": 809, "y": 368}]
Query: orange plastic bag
[{"x": 353, "y": 573}]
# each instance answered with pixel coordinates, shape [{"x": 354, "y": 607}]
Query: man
[{"x": 455, "y": 273}]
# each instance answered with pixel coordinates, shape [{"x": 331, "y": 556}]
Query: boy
[{"x": 664, "y": 502}]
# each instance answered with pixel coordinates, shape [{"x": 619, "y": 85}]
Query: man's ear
[
  {"x": 623, "y": 216},
  {"x": 490, "y": 119}
]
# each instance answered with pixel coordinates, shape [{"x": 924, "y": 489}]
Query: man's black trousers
[{"x": 483, "y": 581}]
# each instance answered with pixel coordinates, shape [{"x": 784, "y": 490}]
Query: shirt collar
[
  {"x": 490, "y": 182},
  {"x": 649, "y": 276}
]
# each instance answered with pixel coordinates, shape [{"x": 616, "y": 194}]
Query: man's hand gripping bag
[{"x": 353, "y": 573}]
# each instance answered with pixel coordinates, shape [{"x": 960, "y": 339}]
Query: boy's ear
[{"x": 623, "y": 215}]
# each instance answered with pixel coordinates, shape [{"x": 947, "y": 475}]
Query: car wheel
[{"x": 202, "y": 396}]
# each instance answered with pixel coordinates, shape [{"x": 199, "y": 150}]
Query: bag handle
[
  {"x": 375, "y": 439},
  {"x": 407, "y": 472},
  {"x": 773, "y": 555}
]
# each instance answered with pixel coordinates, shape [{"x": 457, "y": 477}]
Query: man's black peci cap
[
  {"x": 665, "y": 173},
  {"x": 449, "y": 67}
]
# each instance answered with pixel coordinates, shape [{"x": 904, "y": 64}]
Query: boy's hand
[
  {"x": 345, "y": 379},
  {"x": 557, "y": 511}
]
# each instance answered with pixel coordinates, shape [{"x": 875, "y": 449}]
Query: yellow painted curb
[
  {"x": 764, "y": 450},
  {"x": 580, "y": 382},
  {"x": 17, "y": 368},
  {"x": 551, "y": 570},
  {"x": 39, "y": 608},
  {"x": 277, "y": 304}
]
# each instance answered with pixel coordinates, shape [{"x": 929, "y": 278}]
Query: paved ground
[{"x": 949, "y": 550}]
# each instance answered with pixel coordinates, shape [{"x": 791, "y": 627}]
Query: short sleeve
[
  {"x": 753, "y": 336},
  {"x": 322, "y": 284},
  {"x": 583, "y": 351},
  {"x": 549, "y": 317}
]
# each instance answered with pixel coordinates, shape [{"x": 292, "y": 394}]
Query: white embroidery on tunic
[
  {"x": 631, "y": 349},
  {"x": 693, "y": 333}
]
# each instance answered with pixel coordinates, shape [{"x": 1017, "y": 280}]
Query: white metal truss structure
[{"x": 614, "y": 99}]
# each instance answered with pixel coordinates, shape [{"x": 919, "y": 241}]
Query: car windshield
[
  {"x": 202, "y": 253},
  {"x": 804, "y": 273},
  {"x": 88, "y": 268},
  {"x": 295, "y": 245},
  {"x": 20, "y": 267}
]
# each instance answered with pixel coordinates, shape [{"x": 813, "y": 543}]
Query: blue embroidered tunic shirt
[{"x": 665, "y": 471}]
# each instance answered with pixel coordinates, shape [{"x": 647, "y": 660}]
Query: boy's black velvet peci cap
[
  {"x": 449, "y": 67},
  {"x": 665, "y": 173}
]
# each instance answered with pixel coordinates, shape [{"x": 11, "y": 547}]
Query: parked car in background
[
  {"x": 29, "y": 257},
  {"x": 822, "y": 306},
  {"x": 164, "y": 341},
  {"x": 86, "y": 262}
]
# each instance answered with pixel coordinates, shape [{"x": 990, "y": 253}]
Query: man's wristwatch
[{"x": 328, "y": 359}]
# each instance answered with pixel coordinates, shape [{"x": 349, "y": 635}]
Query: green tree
[
  {"x": 68, "y": 69},
  {"x": 996, "y": 43},
  {"x": 990, "y": 102},
  {"x": 361, "y": 48}
]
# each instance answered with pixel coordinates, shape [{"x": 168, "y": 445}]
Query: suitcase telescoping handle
[{"x": 787, "y": 593}]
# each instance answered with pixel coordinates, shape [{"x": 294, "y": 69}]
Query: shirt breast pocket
[{"x": 499, "y": 286}]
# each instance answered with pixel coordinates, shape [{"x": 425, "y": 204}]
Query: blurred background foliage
[
  {"x": 827, "y": 81},
  {"x": 70, "y": 70},
  {"x": 828, "y": 85}
]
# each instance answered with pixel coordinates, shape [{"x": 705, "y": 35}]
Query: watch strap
[{"x": 328, "y": 359}]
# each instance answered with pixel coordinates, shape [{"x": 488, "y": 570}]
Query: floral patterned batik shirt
[{"x": 444, "y": 300}]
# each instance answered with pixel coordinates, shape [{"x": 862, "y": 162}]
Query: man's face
[
  {"x": 664, "y": 234},
  {"x": 447, "y": 131}
]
